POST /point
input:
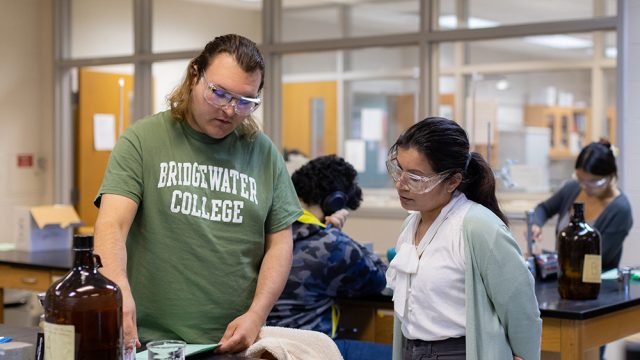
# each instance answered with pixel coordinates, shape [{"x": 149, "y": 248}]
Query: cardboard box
[{"x": 48, "y": 227}]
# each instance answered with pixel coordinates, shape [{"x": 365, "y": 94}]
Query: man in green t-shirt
[{"x": 196, "y": 208}]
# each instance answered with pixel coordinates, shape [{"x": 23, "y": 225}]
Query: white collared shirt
[{"x": 428, "y": 281}]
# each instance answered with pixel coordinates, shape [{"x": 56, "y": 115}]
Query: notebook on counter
[{"x": 192, "y": 349}]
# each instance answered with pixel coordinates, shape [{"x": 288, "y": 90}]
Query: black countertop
[
  {"x": 50, "y": 259},
  {"x": 611, "y": 298}
]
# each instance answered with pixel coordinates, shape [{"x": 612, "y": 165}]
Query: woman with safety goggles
[
  {"x": 461, "y": 287},
  {"x": 607, "y": 209}
]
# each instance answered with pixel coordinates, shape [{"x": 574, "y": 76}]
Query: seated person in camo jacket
[{"x": 327, "y": 263}]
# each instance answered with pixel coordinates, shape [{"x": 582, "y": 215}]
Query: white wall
[{"x": 26, "y": 106}]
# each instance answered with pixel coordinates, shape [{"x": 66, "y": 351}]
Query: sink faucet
[{"x": 504, "y": 174}]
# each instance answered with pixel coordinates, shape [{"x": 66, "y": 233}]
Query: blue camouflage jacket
[{"x": 326, "y": 264}]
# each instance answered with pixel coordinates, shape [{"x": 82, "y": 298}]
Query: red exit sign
[{"x": 25, "y": 160}]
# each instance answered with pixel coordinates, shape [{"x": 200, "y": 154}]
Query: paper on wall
[
  {"x": 371, "y": 122},
  {"x": 354, "y": 150},
  {"x": 104, "y": 132}
]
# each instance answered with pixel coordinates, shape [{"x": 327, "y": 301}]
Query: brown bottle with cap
[
  {"x": 83, "y": 310},
  {"x": 580, "y": 265}
]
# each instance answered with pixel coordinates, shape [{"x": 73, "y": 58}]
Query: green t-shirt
[{"x": 197, "y": 241}]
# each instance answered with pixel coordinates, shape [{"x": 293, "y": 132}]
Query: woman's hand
[
  {"x": 536, "y": 233},
  {"x": 337, "y": 219}
]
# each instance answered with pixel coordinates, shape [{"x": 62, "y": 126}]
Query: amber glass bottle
[
  {"x": 578, "y": 246},
  {"x": 83, "y": 310}
]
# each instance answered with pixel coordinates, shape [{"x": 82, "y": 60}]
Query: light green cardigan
[{"x": 502, "y": 316}]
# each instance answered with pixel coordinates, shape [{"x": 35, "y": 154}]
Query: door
[{"x": 107, "y": 95}]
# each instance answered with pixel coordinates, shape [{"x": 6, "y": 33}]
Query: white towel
[{"x": 293, "y": 344}]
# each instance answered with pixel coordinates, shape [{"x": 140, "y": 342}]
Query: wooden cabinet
[
  {"x": 25, "y": 278},
  {"x": 570, "y": 128}
]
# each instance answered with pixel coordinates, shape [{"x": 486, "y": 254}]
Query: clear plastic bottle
[
  {"x": 83, "y": 311},
  {"x": 579, "y": 260}
]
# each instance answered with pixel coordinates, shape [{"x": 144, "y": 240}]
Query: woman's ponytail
[{"x": 479, "y": 185}]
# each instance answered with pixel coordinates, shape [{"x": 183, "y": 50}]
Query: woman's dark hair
[
  {"x": 324, "y": 175},
  {"x": 597, "y": 158},
  {"x": 446, "y": 146}
]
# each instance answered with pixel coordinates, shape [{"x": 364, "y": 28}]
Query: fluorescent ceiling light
[
  {"x": 451, "y": 22},
  {"x": 559, "y": 41},
  {"x": 502, "y": 84}
]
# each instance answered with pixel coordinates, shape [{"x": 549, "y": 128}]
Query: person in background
[
  {"x": 196, "y": 208},
  {"x": 327, "y": 263},
  {"x": 461, "y": 287},
  {"x": 607, "y": 209}
]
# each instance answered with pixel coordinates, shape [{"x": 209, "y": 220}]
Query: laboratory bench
[{"x": 573, "y": 328}]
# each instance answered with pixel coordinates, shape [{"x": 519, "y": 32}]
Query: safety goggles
[
  {"x": 414, "y": 183},
  {"x": 216, "y": 96},
  {"x": 593, "y": 184}
]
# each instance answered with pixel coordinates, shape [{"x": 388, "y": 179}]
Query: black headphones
[{"x": 333, "y": 202}]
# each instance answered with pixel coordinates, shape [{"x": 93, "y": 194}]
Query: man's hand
[
  {"x": 240, "y": 333},
  {"x": 112, "y": 226},
  {"x": 337, "y": 219},
  {"x": 276, "y": 264},
  {"x": 130, "y": 329}
]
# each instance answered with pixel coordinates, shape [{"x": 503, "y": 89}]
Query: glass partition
[
  {"x": 194, "y": 23},
  {"x": 101, "y": 28},
  {"x": 484, "y": 14},
  {"x": 324, "y": 19},
  {"x": 561, "y": 47}
]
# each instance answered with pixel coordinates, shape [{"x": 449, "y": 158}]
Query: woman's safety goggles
[
  {"x": 414, "y": 183},
  {"x": 592, "y": 184}
]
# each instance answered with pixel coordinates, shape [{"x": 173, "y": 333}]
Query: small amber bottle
[
  {"x": 579, "y": 260},
  {"x": 83, "y": 310}
]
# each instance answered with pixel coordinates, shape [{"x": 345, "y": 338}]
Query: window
[
  {"x": 338, "y": 87},
  {"x": 380, "y": 91},
  {"x": 330, "y": 20},
  {"x": 101, "y": 28},
  {"x": 194, "y": 23},
  {"x": 484, "y": 14}
]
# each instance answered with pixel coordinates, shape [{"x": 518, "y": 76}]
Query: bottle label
[
  {"x": 59, "y": 341},
  {"x": 592, "y": 268}
]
